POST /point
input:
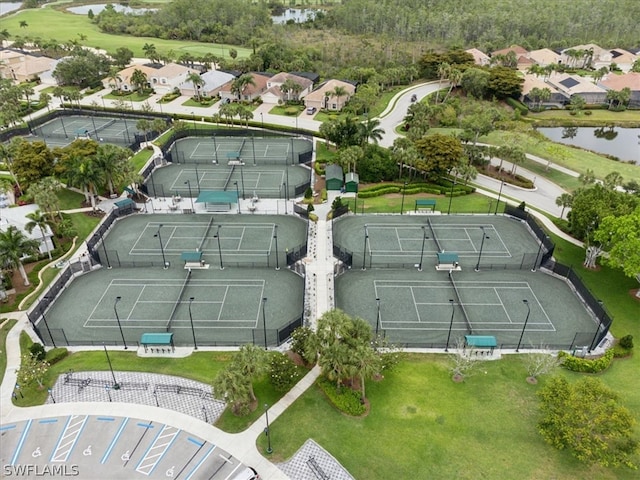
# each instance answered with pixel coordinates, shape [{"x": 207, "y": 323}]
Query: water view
[
  {"x": 9, "y": 7},
  {"x": 623, "y": 143},
  {"x": 96, "y": 9},
  {"x": 296, "y": 14}
]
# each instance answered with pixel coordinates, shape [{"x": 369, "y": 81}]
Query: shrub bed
[
  {"x": 344, "y": 399},
  {"x": 585, "y": 365}
]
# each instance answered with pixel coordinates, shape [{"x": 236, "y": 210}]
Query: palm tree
[
  {"x": 232, "y": 387},
  {"x": 197, "y": 81},
  {"x": 14, "y": 245},
  {"x": 23, "y": 24},
  {"x": 370, "y": 130},
  {"x": 4, "y": 35},
  {"x": 139, "y": 79},
  {"x": 251, "y": 360},
  {"x": 44, "y": 193},
  {"x": 239, "y": 85},
  {"x": 110, "y": 160},
  {"x": 365, "y": 363},
  {"x": 443, "y": 72},
  {"x": 85, "y": 174},
  {"x": 114, "y": 78},
  {"x": 338, "y": 92},
  {"x": 39, "y": 220},
  {"x": 455, "y": 76},
  {"x": 564, "y": 201}
]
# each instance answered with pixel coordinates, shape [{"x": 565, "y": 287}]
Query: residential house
[
  {"x": 162, "y": 78},
  {"x": 274, "y": 93},
  {"x": 250, "y": 92},
  {"x": 532, "y": 81},
  {"x": 17, "y": 217},
  {"x": 324, "y": 98},
  {"x": 479, "y": 57},
  {"x": 22, "y": 67},
  {"x": 570, "y": 85},
  {"x": 521, "y": 54},
  {"x": 313, "y": 76},
  {"x": 214, "y": 80},
  {"x": 544, "y": 57},
  {"x": 629, "y": 80},
  {"x": 588, "y": 55},
  {"x": 623, "y": 59},
  {"x": 517, "y": 49}
]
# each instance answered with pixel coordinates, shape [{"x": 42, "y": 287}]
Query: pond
[
  {"x": 97, "y": 8},
  {"x": 296, "y": 14},
  {"x": 9, "y": 7},
  {"x": 623, "y": 143}
]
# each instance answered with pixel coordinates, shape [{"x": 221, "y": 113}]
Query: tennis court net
[
  {"x": 433, "y": 235},
  {"x": 462, "y": 307},
  {"x": 179, "y": 300},
  {"x": 104, "y": 126},
  {"x": 206, "y": 233},
  {"x": 226, "y": 183}
]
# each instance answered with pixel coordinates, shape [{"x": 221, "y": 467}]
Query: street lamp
[
  {"x": 242, "y": 181},
  {"x": 377, "y": 317},
  {"x": 193, "y": 119},
  {"x": 238, "y": 196},
  {"x": 159, "y": 237},
  {"x": 193, "y": 332},
  {"x": 115, "y": 385},
  {"x": 262, "y": 119},
  {"x": 188, "y": 184},
  {"x": 364, "y": 249},
  {"x": 115, "y": 309},
  {"x": 499, "y": 195},
  {"x": 451, "y": 195},
  {"x": 424, "y": 237},
  {"x": 108, "y": 389},
  {"x": 46, "y": 324},
  {"x": 484, "y": 237},
  {"x": 275, "y": 236},
  {"x": 217, "y": 235},
  {"x": 264, "y": 322},
  {"x": 402, "y": 204},
  {"x": 453, "y": 311},
  {"x": 267, "y": 432},
  {"x": 526, "y": 302},
  {"x": 51, "y": 395}
]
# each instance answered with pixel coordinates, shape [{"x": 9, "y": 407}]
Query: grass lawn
[
  {"x": 140, "y": 159},
  {"x": 48, "y": 23},
  {"x": 83, "y": 224},
  {"x": 282, "y": 110},
  {"x": 324, "y": 154},
  {"x": 131, "y": 97},
  {"x": 192, "y": 103},
  {"x": 472, "y": 203},
  {"x": 8, "y": 325},
  {"x": 628, "y": 118},
  {"x": 69, "y": 199}
]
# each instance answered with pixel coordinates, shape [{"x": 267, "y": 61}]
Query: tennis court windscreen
[
  {"x": 179, "y": 300},
  {"x": 464, "y": 310},
  {"x": 433, "y": 235}
]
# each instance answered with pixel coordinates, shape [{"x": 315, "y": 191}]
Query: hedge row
[
  {"x": 585, "y": 365},
  {"x": 343, "y": 398},
  {"x": 385, "y": 189},
  {"x": 516, "y": 105}
]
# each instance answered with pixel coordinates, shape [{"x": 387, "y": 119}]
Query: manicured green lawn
[
  {"x": 3, "y": 351},
  {"x": 140, "y": 159},
  {"x": 84, "y": 225},
  {"x": 69, "y": 199},
  {"x": 473, "y": 203},
  {"x": 130, "y": 97},
  {"x": 627, "y": 118},
  {"x": 48, "y": 23},
  {"x": 282, "y": 110},
  {"x": 193, "y": 103}
]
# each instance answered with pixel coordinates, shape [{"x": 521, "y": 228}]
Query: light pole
[
  {"x": 499, "y": 195},
  {"x": 424, "y": 237},
  {"x": 51, "y": 395},
  {"x": 264, "y": 322},
  {"x": 115, "y": 309},
  {"x": 377, "y": 317},
  {"x": 108, "y": 389},
  {"x": 484, "y": 237},
  {"x": 238, "y": 196},
  {"x": 402, "y": 204},
  {"x": 188, "y": 184},
  {"x": 193, "y": 332},
  {"x": 284, "y": 194},
  {"x": 159, "y": 237},
  {"x": 44, "y": 319},
  {"x": 453, "y": 311},
  {"x": 242, "y": 181},
  {"x": 451, "y": 195},
  {"x": 115, "y": 385},
  {"x": 217, "y": 235},
  {"x": 526, "y": 302},
  {"x": 364, "y": 249},
  {"x": 535, "y": 263},
  {"x": 267, "y": 432},
  {"x": 262, "y": 119},
  {"x": 275, "y": 236},
  {"x": 193, "y": 120}
]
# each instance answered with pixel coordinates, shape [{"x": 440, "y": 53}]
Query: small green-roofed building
[
  {"x": 159, "y": 340},
  {"x": 481, "y": 341},
  {"x": 218, "y": 200},
  {"x": 351, "y": 182},
  {"x": 334, "y": 177}
]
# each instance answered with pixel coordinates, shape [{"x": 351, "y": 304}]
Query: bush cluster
[
  {"x": 585, "y": 365},
  {"x": 518, "y": 106},
  {"x": 344, "y": 399},
  {"x": 282, "y": 372},
  {"x": 56, "y": 354},
  {"x": 413, "y": 189}
]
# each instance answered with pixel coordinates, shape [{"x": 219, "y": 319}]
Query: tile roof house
[
  {"x": 17, "y": 217},
  {"x": 250, "y": 92},
  {"x": 517, "y": 49},
  {"x": 274, "y": 93},
  {"x": 599, "y": 57},
  {"x": 531, "y": 81},
  {"x": 162, "y": 78},
  {"x": 544, "y": 57},
  {"x": 323, "y": 97},
  {"x": 22, "y": 67},
  {"x": 214, "y": 80},
  {"x": 570, "y": 85},
  {"x": 629, "y": 80},
  {"x": 623, "y": 59},
  {"x": 479, "y": 57}
]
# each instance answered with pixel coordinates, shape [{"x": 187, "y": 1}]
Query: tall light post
[
  {"x": 275, "y": 236},
  {"x": 115, "y": 310},
  {"x": 499, "y": 195},
  {"x": 188, "y": 184},
  {"x": 526, "y": 302},
  {"x": 484, "y": 237},
  {"x": 116, "y": 385},
  {"x": 453, "y": 311},
  {"x": 364, "y": 249},
  {"x": 193, "y": 332},
  {"x": 51, "y": 395},
  {"x": 217, "y": 235},
  {"x": 535, "y": 263},
  {"x": 159, "y": 237},
  {"x": 238, "y": 196},
  {"x": 264, "y": 322},
  {"x": 262, "y": 119},
  {"x": 284, "y": 194},
  {"x": 193, "y": 119},
  {"x": 377, "y": 317},
  {"x": 267, "y": 431},
  {"x": 424, "y": 237},
  {"x": 451, "y": 195},
  {"x": 402, "y": 203},
  {"x": 46, "y": 324}
]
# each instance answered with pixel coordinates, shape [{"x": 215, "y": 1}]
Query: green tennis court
[
  {"x": 65, "y": 129},
  {"x": 392, "y": 241},
  {"x": 415, "y": 309}
]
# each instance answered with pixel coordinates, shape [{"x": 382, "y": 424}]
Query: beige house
[
  {"x": 593, "y": 55},
  {"x": 214, "y": 80},
  {"x": 533, "y": 81},
  {"x": 324, "y": 96},
  {"x": 250, "y": 92},
  {"x": 479, "y": 57},
  {"x": 629, "y": 80},
  {"x": 623, "y": 59},
  {"x": 162, "y": 78},
  {"x": 570, "y": 85},
  {"x": 544, "y": 57},
  {"x": 21, "y": 67},
  {"x": 274, "y": 93}
]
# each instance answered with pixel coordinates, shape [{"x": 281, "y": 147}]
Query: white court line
[
  {"x": 224, "y": 299},
  {"x": 503, "y": 307},
  {"x": 415, "y": 305}
]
